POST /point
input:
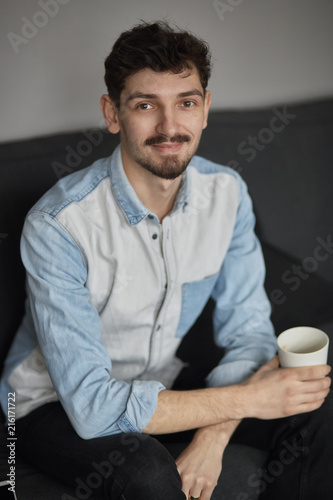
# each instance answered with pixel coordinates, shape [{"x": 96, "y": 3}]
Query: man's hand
[
  {"x": 270, "y": 393},
  {"x": 200, "y": 464},
  {"x": 199, "y": 467},
  {"x": 274, "y": 392}
]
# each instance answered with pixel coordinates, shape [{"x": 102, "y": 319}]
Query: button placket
[
  {"x": 169, "y": 264},
  {"x": 155, "y": 235}
]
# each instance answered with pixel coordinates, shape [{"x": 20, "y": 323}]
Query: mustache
[{"x": 159, "y": 139}]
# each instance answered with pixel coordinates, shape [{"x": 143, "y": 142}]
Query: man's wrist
[
  {"x": 239, "y": 402},
  {"x": 211, "y": 435},
  {"x": 219, "y": 433}
]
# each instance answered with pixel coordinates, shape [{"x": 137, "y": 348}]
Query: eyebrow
[{"x": 140, "y": 95}]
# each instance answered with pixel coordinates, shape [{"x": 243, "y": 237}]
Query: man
[{"x": 121, "y": 258}]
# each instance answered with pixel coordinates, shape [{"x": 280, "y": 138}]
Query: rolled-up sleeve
[
  {"x": 69, "y": 335},
  {"x": 241, "y": 320}
]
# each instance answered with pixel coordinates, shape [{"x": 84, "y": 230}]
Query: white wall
[{"x": 265, "y": 52}]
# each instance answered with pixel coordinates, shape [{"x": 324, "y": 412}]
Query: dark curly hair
[{"x": 156, "y": 46}]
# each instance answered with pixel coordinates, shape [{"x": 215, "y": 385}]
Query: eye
[
  {"x": 144, "y": 105},
  {"x": 188, "y": 104}
]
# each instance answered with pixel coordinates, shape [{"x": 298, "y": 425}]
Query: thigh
[
  {"x": 107, "y": 467},
  {"x": 268, "y": 434},
  {"x": 48, "y": 441},
  {"x": 259, "y": 434},
  {"x": 299, "y": 462}
]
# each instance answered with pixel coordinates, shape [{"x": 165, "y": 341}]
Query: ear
[
  {"x": 206, "y": 107},
  {"x": 110, "y": 113}
]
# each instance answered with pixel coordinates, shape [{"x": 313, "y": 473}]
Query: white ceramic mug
[{"x": 302, "y": 346}]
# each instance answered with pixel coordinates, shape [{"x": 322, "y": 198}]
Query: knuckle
[
  {"x": 285, "y": 374},
  {"x": 187, "y": 477},
  {"x": 325, "y": 393},
  {"x": 211, "y": 484},
  {"x": 290, "y": 391},
  {"x": 322, "y": 386},
  {"x": 317, "y": 404},
  {"x": 201, "y": 480},
  {"x": 328, "y": 381},
  {"x": 205, "y": 482}
]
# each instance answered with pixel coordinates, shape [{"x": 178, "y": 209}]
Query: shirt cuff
[{"x": 141, "y": 405}]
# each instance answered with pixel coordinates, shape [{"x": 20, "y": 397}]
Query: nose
[{"x": 167, "y": 122}]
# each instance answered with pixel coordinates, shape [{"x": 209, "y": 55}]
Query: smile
[{"x": 168, "y": 147}]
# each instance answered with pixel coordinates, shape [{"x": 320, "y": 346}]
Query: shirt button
[
  {"x": 150, "y": 216},
  {"x": 154, "y": 236}
]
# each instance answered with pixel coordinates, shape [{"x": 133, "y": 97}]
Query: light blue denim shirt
[{"x": 111, "y": 292}]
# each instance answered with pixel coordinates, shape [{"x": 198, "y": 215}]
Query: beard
[{"x": 170, "y": 166}]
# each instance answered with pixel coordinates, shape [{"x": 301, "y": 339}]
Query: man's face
[{"x": 161, "y": 117}]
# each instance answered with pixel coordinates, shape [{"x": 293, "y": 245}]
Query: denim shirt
[{"x": 111, "y": 291}]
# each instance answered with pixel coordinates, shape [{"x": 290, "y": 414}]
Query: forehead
[{"x": 162, "y": 84}]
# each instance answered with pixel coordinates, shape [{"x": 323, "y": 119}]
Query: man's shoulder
[
  {"x": 73, "y": 188},
  {"x": 209, "y": 176},
  {"x": 205, "y": 166}
]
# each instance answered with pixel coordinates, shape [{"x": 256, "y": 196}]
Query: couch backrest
[
  {"x": 285, "y": 154},
  {"x": 27, "y": 170}
]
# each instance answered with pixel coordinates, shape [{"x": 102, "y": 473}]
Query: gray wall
[{"x": 265, "y": 52}]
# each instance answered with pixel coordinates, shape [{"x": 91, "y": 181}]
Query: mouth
[{"x": 168, "y": 147}]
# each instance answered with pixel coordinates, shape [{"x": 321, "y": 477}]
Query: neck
[{"x": 157, "y": 194}]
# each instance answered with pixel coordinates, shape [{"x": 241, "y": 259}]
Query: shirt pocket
[{"x": 194, "y": 298}]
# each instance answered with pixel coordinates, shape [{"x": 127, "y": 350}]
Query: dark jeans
[{"x": 137, "y": 466}]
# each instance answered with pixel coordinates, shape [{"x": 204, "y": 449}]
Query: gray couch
[{"x": 285, "y": 155}]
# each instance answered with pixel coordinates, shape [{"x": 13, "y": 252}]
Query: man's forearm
[
  {"x": 183, "y": 410},
  {"x": 270, "y": 393}
]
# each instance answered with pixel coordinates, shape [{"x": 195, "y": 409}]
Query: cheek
[
  {"x": 138, "y": 128},
  {"x": 197, "y": 128},
  {"x": 195, "y": 123}
]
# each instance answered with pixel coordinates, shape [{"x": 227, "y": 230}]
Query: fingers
[
  {"x": 316, "y": 372},
  {"x": 305, "y": 391},
  {"x": 296, "y": 390},
  {"x": 308, "y": 407},
  {"x": 197, "y": 487},
  {"x": 306, "y": 396},
  {"x": 311, "y": 397},
  {"x": 205, "y": 494},
  {"x": 306, "y": 373},
  {"x": 193, "y": 496},
  {"x": 317, "y": 386}
]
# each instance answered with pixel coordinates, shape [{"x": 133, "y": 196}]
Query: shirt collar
[{"x": 134, "y": 210}]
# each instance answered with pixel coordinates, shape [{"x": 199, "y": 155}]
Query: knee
[{"x": 149, "y": 471}]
